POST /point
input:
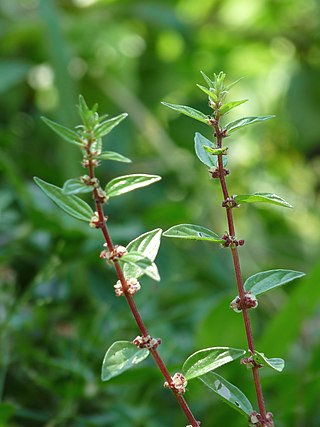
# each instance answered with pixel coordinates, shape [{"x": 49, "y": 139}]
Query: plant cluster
[{"x": 137, "y": 259}]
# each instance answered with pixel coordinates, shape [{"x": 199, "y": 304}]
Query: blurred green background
[{"x": 58, "y": 313}]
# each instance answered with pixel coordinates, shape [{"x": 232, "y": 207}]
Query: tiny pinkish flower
[
  {"x": 133, "y": 286},
  {"x": 178, "y": 383}
]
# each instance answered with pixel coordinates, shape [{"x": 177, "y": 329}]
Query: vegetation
[{"x": 58, "y": 316}]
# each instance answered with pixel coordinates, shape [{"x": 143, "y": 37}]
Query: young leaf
[
  {"x": 65, "y": 133},
  {"x": 230, "y": 105},
  {"x": 262, "y": 282},
  {"x": 208, "y": 359},
  {"x": 111, "y": 155},
  {"x": 262, "y": 197},
  {"x": 275, "y": 363},
  {"x": 192, "y": 232},
  {"x": 209, "y": 92},
  {"x": 75, "y": 186},
  {"x": 206, "y": 158},
  {"x": 121, "y": 356},
  {"x": 207, "y": 80},
  {"x": 148, "y": 245},
  {"x": 228, "y": 392},
  {"x": 188, "y": 111},
  {"x": 105, "y": 127},
  {"x": 245, "y": 121},
  {"x": 72, "y": 205},
  {"x": 124, "y": 184},
  {"x": 216, "y": 151}
]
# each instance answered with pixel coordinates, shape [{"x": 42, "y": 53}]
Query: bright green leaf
[
  {"x": 124, "y": 184},
  {"x": 228, "y": 392},
  {"x": 207, "y": 79},
  {"x": 88, "y": 116},
  {"x": 230, "y": 105},
  {"x": 245, "y": 121},
  {"x": 105, "y": 127},
  {"x": 275, "y": 363},
  {"x": 192, "y": 232},
  {"x": 262, "y": 282},
  {"x": 112, "y": 155},
  {"x": 72, "y": 205},
  {"x": 262, "y": 197},
  {"x": 148, "y": 245},
  {"x": 121, "y": 356},
  {"x": 136, "y": 259},
  {"x": 208, "y": 359},
  {"x": 65, "y": 133},
  {"x": 209, "y": 92},
  {"x": 75, "y": 186},
  {"x": 188, "y": 111},
  {"x": 206, "y": 158}
]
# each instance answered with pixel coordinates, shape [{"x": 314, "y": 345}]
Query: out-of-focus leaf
[
  {"x": 72, "y": 205},
  {"x": 228, "y": 392},
  {"x": 121, "y": 356},
  {"x": 11, "y": 73}
]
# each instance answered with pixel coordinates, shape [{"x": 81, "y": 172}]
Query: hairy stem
[
  {"x": 161, "y": 365},
  {"x": 237, "y": 269}
]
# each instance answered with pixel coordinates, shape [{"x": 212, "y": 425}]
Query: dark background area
[{"x": 58, "y": 313}]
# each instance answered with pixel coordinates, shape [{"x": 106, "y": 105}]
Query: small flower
[
  {"x": 101, "y": 195},
  {"x": 90, "y": 181},
  {"x": 95, "y": 220},
  {"x": 132, "y": 287},
  {"x": 178, "y": 383},
  {"x": 146, "y": 342},
  {"x": 118, "y": 252},
  {"x": 250, "y": 301}
]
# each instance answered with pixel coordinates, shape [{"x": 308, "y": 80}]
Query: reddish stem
[
  {"x": 237, "y": 269},
  {"x": 161, "y": 365}
]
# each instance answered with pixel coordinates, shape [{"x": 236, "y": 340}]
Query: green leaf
[
  {"x": 75, "y": 186},
  {"x": 65, "y": 133},
  {"x": 111, "y": 155},
  {"x": 230, "y": 105},
  {"x": 262, "y": 197},
  {"x": 124, "y": 184},
  {"x": 105, "y": 127},
  {"x": 209, "y": 92},
  {"x": 262, "y": 282},
  {"x": 206, "y": 158},
  {"x": 72, "y": 205},
  {"x": 148, "y": 245},
  {"x": 136, "y": 259},
  {"x": 208, "y": 359},
  {"x": 192, "y": 232},
  {"x": 275, "y": 363},
  {"x": 207, "y": 79},
  {"x": 89, "y": 117},
  {"x": 228, "y": 392},
  {"x": 121, "y": 356},
  {"x": 188, "y": 111},
  {"x": 245, "y": 121}
]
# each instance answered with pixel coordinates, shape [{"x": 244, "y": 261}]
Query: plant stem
[
  {"x": 161, "y": 365},
  {"x": 237, "y": 269}
]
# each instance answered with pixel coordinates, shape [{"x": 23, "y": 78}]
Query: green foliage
[
  {"x": 127, "y": 183},
  {"x": 122, "y": 355},
  {"x": 192, "y": 232},
  {"x": 262, "y": 197},
  {"x": 266, "y": 280},
  {"x": 208, "y": 359},
  {"x": 59, "y": 298}
]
